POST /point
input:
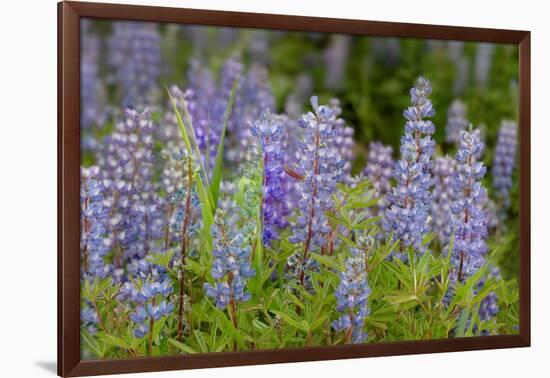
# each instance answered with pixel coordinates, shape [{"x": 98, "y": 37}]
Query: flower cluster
[
  {"x": 320, "y": 168},
  {"x": 409, "y": 204},
  {"x": 268, "y": 129},
  {"x": 379, "y": 169},
  {"x": 231, "y": 266},
  {"x": 134, "y": 56},
  {"x": 150, "y": 304},
  {"x": 127, "y": 164},
  {"x": 443, "y": 172},
  {"x": 351, "y": 296},
  {"x": 469, "y": 218},
  {"x": 504, "y": 161},
  {"x": 456, "y": 121},
  {"x": 94, "y": 223}
]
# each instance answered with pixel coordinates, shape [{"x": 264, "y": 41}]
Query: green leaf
[
  {"x": 181, "y": 346},
  {"x": 327, "y": 261},
  {"x": 218, "y": 163},
  {"x": 293, "y": 322}
]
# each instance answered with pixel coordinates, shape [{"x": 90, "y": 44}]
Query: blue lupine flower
[
  {"x": 504, "y": 161},
  {"x": 379, "y": 170},
  {"x": 342, "y": 140},
  {"x": 89, "y": 319},
  {"x": 409, "y": 204},
  {"x": 456, "y": 121},
  {"x": 442, "y": 216},
  {"x": 92, "y": 89},
  {"x": 483, "y": 63},
  {"x": 336, "y": 59},
  {"x": 268, "y": 129},
  {"x": 127, "y": 165},
  {"x": 141, "y": 330},
  {"x": 146, "y": 300},
  {"x": 94, "y": 224},
  {"x": 351, "y": 296},
  {"x": 321, "y": 167},
  {"x": 469, "y": 218},
  {"x": 231, "y": 266},
  {"x": 134, "y": 55}
]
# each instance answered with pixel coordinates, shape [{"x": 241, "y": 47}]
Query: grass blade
[{"x": 218, "y": 163}]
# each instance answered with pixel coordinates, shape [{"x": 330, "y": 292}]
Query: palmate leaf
[
  {"x": 181, "y": 346},
  {"x": 218, "y": 163}
]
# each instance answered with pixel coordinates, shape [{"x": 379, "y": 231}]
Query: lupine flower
[
  {"x": 379, "y": 169},
  {"x": 456, "y": 121},
  {"x": 268, "y": 129},
  {"x": 253, "y": 97},
  {"x": 504, "y": 161},
  {"x": 455, "y": 53},
  {"x": 127, "y": 165},
  {"x": 483, "y": 62},
  {"x": 343, "y": 137},
  {"x": 89, "y": 319},
  {"x": 336, "y": 58},
  {"x": 469, "y": 222},
  {"x": 148, "y": 297},
  {"x": 488, "y": 308},
  {"x": 442, "y": 216},
  {"x": 92, "y": 90},
  {"x": 409, "y": 204},
  {"x": 231, "y": 266},
  {"x": 185, "y": 224},
  {"x": 386, "y": 50},
  {"x": 134, "y": 55},
  {"x": 351, "y": 296},
  {"x": 94, "y": 224},
  {"x": 321, "y": 168}
]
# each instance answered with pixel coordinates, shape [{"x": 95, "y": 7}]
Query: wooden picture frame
[{"x": 69, "y": 14}]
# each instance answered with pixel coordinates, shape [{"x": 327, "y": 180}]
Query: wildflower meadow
[{"x": 254, "y": 189}]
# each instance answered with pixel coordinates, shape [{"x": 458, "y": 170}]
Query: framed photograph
[{"x": 239, "y": 188}]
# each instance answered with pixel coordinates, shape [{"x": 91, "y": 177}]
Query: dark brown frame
[{"x": 69, "y": 13}]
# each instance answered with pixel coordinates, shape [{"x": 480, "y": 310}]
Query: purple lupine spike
[
  {"x": 469, "y": 218},
  {"x": 409, "y": 203},
  {"x": 343, "y": 137},
  {"x": 443, "y": 172},
  {"x": 321, "y": 167},
  {"x": 456, "y": 121},
  {"x": 483, "y": 63},
  {"x": 127, "y": 164},
  {"x": 134, "y": 55},
  {"x": 92, "y": 89},
  {"x": 254, "y": 96},
  {"x": 336, "y": 58},
  {"x": 504, "y": 161},
  {"x": 93, "y": 225},
  {"x": 379, "y": 170},
  {"x": 268, "y": 129},
  {"x": 231, "y": 267},
  {"x": 351, "y": 297}
]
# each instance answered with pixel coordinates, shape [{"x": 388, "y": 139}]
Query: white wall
[{"x": 28, "y": 186}]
